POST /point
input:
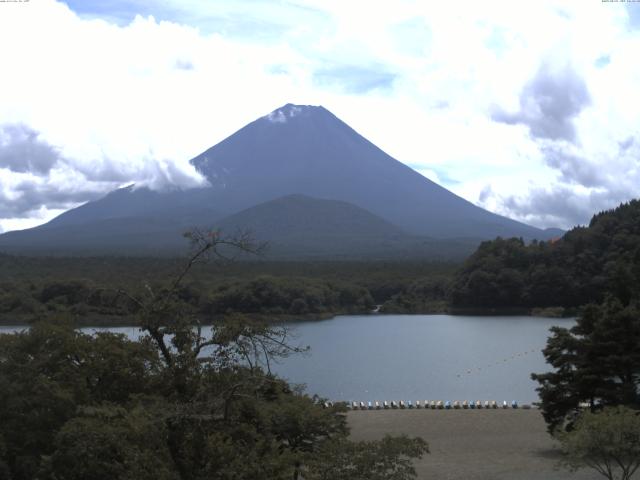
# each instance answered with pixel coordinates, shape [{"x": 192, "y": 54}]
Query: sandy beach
[{"x": 472, "y": 444}]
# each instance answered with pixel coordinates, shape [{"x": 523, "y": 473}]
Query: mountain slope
[
  {"x": 306, "y": 149},
  {"x": 293, "y": 150}
]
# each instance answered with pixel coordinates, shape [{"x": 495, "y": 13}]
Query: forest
[
  {"x": 503, "y": 275},
  {"x": 162, "y": 408},
  {"x": 88, "y": 288},
  {"x": 584, "y": 266}
]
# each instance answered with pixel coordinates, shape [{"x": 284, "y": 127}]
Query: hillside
[
  {"x": 298, "y": 226},
  {"x": 585, "y": 265}
]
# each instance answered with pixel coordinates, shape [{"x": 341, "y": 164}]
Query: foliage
[
  {"x": 31, "y": 287},
  {"x": 388, "y": 459},
  {"x": 582, "y": 267},
  {"x": 426, "y": 295},
  {"x": 175, "y": 405},
  {"x": 271, "y": 295},
  {"x": 607, "y": 441},
  {"x": 597, "y": 361}
]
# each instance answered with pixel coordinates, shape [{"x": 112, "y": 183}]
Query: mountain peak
[{"x": 290, "y": 110}]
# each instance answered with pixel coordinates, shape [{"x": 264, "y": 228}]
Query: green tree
[
  {"x": 178, "y": 404},
  {"x": 110, "y": 442},
  {"x": 387, "y": 459},
  {"x": 597, "y": 361},
  {"x": 607, "y": 441}
]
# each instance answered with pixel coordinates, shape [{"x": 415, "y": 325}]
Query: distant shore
[
  {"x": 472, "y": 444},
  {"x": 93, "y": 320}
]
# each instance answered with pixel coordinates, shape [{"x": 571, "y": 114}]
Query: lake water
[{"x": 416, "y": 357}]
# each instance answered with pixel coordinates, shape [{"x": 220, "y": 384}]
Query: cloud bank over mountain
[{"x": 519, "y": 108}]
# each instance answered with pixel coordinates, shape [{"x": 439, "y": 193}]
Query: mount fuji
[{"x": 298, "y": 177}]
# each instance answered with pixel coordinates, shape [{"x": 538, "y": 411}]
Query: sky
[{"x": 530, "y": 109}]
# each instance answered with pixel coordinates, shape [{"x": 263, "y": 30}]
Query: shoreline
[{"x": 117, "y": 321}]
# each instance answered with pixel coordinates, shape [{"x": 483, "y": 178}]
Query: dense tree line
[
  {"x": 262, "y": 295},
  {"x": 584, "y": 266},
  {"x": 88, "y": 288},
  {"x": 271, "y": 295}
]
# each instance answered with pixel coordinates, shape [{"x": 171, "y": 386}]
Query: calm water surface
[{"x": 416, "y": 357}]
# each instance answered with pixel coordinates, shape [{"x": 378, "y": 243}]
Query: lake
[{"x": 416, "y": 357}]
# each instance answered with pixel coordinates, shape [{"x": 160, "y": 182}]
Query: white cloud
[{"x": 122, "y": 101}]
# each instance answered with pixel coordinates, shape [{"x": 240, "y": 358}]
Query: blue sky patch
[{"x": 354, "y": 79}]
